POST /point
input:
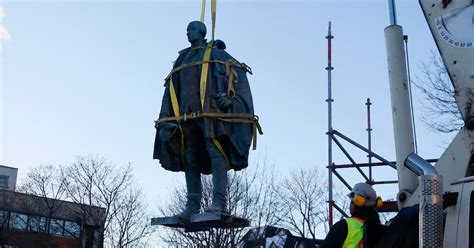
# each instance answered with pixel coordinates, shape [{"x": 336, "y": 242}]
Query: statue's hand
[
  {"x": 165, "y": 130},
  {"x": 224, "y": 102}
]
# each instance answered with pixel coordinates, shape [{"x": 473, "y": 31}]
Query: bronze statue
[{"x": 206, "y": 123}]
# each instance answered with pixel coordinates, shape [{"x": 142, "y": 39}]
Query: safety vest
[{"x": 355, "y": 233}]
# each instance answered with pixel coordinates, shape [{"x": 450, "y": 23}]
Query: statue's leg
[
  {"x": 194, "y": 194},
  {"x": 193, "y": 179},
  {"x": 219, "y": 179}
]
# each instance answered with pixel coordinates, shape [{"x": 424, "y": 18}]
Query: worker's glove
[
  {"x": 166, "y": 129},
  {"x": 224, "y": 102}
]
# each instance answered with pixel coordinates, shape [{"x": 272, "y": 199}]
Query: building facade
[
  {"x": 33, "y": 221},
  {"x": 8, "y": 177}
]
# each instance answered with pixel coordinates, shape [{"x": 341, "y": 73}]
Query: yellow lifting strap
[
  {"x": 213, "y": 14},
  {"x": 219, "y": 147},
  {"x": 243, "y": 118},
  {"x": 230, "y": 117},
  {"x": 175, "y": 105},
  {"x": 204, "y": 72},
  {"x": 174, "y": 99},
  {"x": 203, "y": 10},
  {"x": 228, "y": 63}
]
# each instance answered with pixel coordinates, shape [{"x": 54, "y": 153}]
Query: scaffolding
[{"x": 334, "y": 136}]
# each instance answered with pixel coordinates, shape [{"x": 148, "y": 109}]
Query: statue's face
[{"x": 193, "y": 32}]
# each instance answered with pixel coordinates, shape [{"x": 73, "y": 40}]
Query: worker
[{"x": 363, "y": 228}]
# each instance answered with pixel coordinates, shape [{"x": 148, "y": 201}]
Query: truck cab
[{"x": 459, "y": 225}]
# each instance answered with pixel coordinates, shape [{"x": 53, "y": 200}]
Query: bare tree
[
  {"x": 130, "y": 223},
  {"x": 441, "y": 113},
  {"x": 96, "y": 181},
  {"x": 251, "y": 195},
  {"x": 255, "y": 194},
  {"x": 93, "y": 181},
  {"x": 304, "y": 209},
  {"x": 304, "y": 202},
  {"x": 46, "y": 182}
]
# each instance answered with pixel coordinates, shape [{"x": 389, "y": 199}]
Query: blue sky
[{"x": 86, "y": 77}]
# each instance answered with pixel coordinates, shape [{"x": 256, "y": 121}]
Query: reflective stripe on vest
[{"x": 355, "y": 233}]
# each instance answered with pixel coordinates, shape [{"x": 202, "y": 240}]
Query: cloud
[{"x": 4, "y": 34}]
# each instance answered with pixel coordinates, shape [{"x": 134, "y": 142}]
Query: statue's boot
[
  {"x": 219, "y": 181},
  {"x": 193, "y": 204},
  {"x": 193, "y": 185}
]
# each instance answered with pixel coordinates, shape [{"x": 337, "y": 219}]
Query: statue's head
[{"x": 196, "y": 31}]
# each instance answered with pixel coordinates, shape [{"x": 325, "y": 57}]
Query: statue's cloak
[{"x": 235, "y": 138}]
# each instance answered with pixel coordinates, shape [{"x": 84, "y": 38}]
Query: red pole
[{"x": 330, "y": 214}]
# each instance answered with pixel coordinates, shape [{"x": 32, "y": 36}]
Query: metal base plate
[
  {"x": 219, "y": 220},
  {"x": 173, "y": 221},
  {"x": 202, "y": 222},
  {"x": 179, "y": 222}
]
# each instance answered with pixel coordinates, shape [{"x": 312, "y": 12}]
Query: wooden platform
[{"x": 202, "y": 222}]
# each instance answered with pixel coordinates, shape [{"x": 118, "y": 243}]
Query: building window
[
  {"x": 72, "y": 229},
  {"x": 18, "y": 221},
  {"x": 38, "y": 224},
  {"x": 3, "y": 219},
  {"x": 3, "y": 182},
  {"x": 56, "y": 227}
]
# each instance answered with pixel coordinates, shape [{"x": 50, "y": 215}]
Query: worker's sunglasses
[{"x": 352, "y": 194}]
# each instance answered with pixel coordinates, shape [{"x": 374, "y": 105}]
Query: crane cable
[{"x": 213, "y": 14}]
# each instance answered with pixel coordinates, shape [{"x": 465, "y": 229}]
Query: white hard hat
[{"x": 366, "y": 191}]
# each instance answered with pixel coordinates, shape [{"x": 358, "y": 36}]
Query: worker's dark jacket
[
  {"x": 235, "y": 138},
  {"x": 338, "y": 233}
]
